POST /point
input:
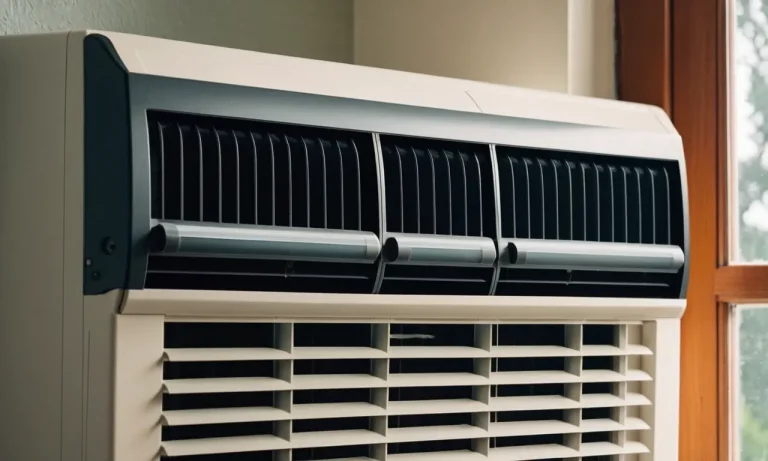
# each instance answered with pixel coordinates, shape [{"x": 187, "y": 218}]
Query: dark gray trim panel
[
  {"x": 108, "y": 208},
  {"x": 189, "y": 96},
  {"x": 686, "y": 231}
]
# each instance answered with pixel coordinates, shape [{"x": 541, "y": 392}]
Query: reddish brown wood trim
[
  {"x": 723, "y": 93},
  {"x": 723, "y": 382},
  {"x": 643, "y": 52},
  {"x": 694, "y": 113},
  {"x": 668, "y": 56},
  {"x": 742, "y": 284}
]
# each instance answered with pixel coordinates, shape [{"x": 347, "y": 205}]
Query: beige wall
[
  {"x": 320, "y": 29},
  {"x": 559, "y": 45}
]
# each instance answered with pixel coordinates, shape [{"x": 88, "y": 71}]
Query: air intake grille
[
  {"x": 217, "y": 170},
  {"x": 579, "y": 197},
  {"x": 441, "y": 189},
  {"x": 407, "y": 392}
]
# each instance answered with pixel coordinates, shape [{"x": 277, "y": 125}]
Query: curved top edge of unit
[{"x": 184, "y": 60}]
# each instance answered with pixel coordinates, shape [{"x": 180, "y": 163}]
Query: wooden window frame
[{"x": 673, "y": 54}]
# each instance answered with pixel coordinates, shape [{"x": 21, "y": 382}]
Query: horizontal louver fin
[
  {"x": 228, "y": 385},
  {"x": 548, "y": 452},
  {"x": 435, "y": 407},
  {"x": 222, "y": 416},
  {"x": 462, "y": 455},
  {"x": 223, "y": 445},
  {"x": 335, "y": 438},
  {"x": 262, "y": 177},
  {"x": 582, "y": 200},
  {"x": 440, "y": 212},
  {"x": 321, "y": 391}
]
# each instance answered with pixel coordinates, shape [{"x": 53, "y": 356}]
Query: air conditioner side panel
[
  {"x": 663, "y": 336},
  {"x": 32, "y": 241}
]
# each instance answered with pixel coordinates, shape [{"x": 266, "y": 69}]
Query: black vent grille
[
  {"x": 219, "y": 170},
  {"x": 565, "y": 196},
  {"x": 439, "y": 188}
]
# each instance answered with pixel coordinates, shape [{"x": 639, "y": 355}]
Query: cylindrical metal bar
[
  {"x": 257, "y": 242},
  {"x": 439, "y": 250},
  {"x": 580, "y": 255}
]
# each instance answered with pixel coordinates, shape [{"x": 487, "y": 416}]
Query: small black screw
[
  {"x": 108, "y": 245},
  {"x": 96, "y": 275}
]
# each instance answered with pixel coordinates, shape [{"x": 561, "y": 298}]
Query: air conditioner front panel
[{"x": 116, "y": 252}]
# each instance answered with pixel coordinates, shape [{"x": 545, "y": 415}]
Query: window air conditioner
[{"x": 219, "y": 255}]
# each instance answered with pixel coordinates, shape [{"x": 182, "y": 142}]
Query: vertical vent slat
[
  {"x": 647, "y": 198},
  {"x": 418, "y": 191},
  {"x": 307, "y": 183},
  {"x": 202, "y": 176},
  {"x": 181, "y": 172},
  {"x": 668, "y": 206},
  {"x": 556, "y": 199},
  {"x": 325, "y": 185},
  {"x": 161, "y": 129},
  {"x": 272, "y": 165},
  {"x": 255, "y": 178},
  {"x": 341, "y": 184},
  {"x": 543, "y": 199},
  {"x": 449, "y": 194},
  {"x": 611, "y": 170},
  {"x": 229, "y": 173},
  {"x": 218, "y": 170},
  {"x": 402, "y": 197},
  {"x": 528, "y": 195},
  {"x": 479, "y": 192},
  {"x": 592, "y": 202},
  {"x": 618, "y": 204},
  {"x": 639, "y": 207},
  {"x": 290, "y": 183},
  {"x": 572, "y": 199},
  {"x": 511, "y": 199},
  {"x": 571, "y": 192},
  {"x": 237, "y": 176},
  {"x": 240, "y": 172},
  {"x": 625, "y": 189},
  {"x": 597, "y": 201},
  {"x": 465, "y": 204},
  {"x": 359, "y": 186},
  {"x": 633, "y": 206},
  {"x": 584, "y": 198},
  {"x": 606, "y": 203},
  {"x": 651, "y": 178}
]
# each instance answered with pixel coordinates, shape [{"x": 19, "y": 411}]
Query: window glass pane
[
  {"x": 749, "y": 131},
  {"x": 749, "y": 365}
]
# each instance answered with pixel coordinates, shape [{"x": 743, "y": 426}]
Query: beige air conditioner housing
[{"x": 219, "y": 255}]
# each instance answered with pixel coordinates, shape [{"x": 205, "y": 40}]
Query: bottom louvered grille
[{"x": 403, "y": 391}]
